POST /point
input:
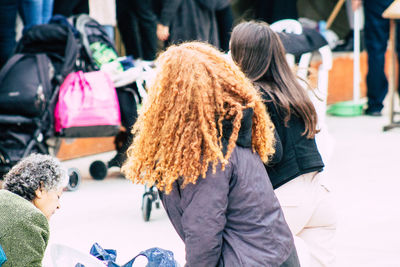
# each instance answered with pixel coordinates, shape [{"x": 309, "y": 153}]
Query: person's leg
[
  {"x": 263, "y": 10},
  {"x": 284, "y": 9},
  {"x": 82, "y": 6},
  {"x": 319, "y": 233},
  {"x": 376, "y": 38},
  {"x": 225, "y": 24},
  {"x": 274, "y": 10},
  {"x": 301, "y": 200},
  {"x": 147, "y": 23},
  {"x": 8, "y": 15},
  {"x": 128, "y": 110},
  {"x": 297, "y": 198},
  {"x": 31, "y": 12},
  {"x": 47, "y": 10},
  {"x": 64, "y": 7},
  {"x": 128, "y": 28}
]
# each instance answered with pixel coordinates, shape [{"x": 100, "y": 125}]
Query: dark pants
[
  {"x": 271, "y": 11},
  {"x": 32, "y": 12},
  {"x": 376, "y": 38},
  {"x": 71, "y": 7},
  {"x": 225, "y": 23},
  {"x": 292, "y": 260},
  {"x": 137, "y": 24}
]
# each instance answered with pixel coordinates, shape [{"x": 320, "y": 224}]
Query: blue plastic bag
[
  {"x": 156, "y": 257},
  {"x": 105, "y": 255}
]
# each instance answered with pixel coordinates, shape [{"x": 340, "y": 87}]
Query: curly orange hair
[{"x": 177, "y": 132}]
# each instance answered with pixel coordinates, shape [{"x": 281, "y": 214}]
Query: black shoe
[
  {"x": 373, "y": 113},
  {"x": 117, "y": 161}
]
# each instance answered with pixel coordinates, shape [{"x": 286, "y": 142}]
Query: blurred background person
[
  {"x": 376, "y": 32},
  {"x": 32, "y": 12},
  {"x": 137, "y": 25},
  {"x": 189, "y": 20}
]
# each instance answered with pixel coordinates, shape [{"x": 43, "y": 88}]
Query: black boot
[{"x": 122, "y": 142}]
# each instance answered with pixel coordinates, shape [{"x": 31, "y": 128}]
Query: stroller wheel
[
  {"x": 74, "y": 179},
  {"x": 146, "y": 207},
  {"x": 158, "y": 204},
  {"x": 98, "y": 170}
]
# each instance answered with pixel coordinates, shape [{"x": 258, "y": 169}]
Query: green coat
[{"x": 24, "y": 231}]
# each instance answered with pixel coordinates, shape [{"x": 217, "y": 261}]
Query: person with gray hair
[{"x": 32, "y": 189}]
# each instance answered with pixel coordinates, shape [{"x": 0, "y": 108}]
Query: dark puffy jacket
[
  {"x": 190, "y": 20},
  {"x": 232, "y": 217}
]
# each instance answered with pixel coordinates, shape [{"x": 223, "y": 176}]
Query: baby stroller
[
  {"x": 130, "y": 85},
  {"x": 150, "y": 196},
  {"x": 131, "y": 90},
  {"x": 99, "y": 53},
  {"x": 55, "y": 50},
  {"x": 29, "y": 85}
]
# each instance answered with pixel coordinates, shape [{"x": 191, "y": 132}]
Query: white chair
[
  {"x": 293, "y": 26},
  {"x": 290, "y": 26}
]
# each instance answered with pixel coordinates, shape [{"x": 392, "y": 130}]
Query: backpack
[
  {"x": 96, "y": 44},
  {"x": 58, "y": 42},
  {"x": 45, "y": 55},
  {"x": 25, "y": 86}
]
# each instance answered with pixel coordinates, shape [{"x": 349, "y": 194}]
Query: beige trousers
[{"x": 309, "y": 210}]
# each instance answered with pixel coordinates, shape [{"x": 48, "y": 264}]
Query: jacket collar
[{"x": 244, "y": 136}]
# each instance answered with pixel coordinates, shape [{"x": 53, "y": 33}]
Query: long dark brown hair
[{"x": 260, "y": 54}]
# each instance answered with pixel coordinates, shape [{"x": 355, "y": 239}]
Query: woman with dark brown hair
[
  {"x": 201, "y": 138},
  {"x": 295, "y": 172}
]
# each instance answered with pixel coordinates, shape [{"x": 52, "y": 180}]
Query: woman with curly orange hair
[{"x": 202, "y": 138}]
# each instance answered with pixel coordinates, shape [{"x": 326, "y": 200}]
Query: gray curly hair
[{"x": 34, "y": 172}]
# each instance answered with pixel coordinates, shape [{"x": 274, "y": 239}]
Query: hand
[
  {"x": 356, "y": 4},
  {"x": 162, "y": 32}
]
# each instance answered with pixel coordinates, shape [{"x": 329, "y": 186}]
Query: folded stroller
[{"x": 29, "y": 84}]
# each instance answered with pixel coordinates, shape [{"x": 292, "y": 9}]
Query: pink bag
[{"x": 87, "y": 106}]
